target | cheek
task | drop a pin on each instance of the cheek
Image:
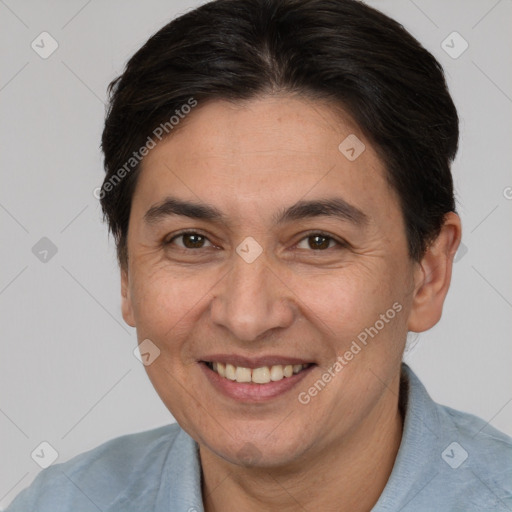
(160, 300)
(170, 306)
(362, 316)
(166, 306)
(349, 298)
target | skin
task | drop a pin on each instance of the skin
(249, 160)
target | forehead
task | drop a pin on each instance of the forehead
(250, 157)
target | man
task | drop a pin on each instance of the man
(278, 184)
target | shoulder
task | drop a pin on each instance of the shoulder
(94, 479)
(488, 443)
(477, 460)
(490, 448)
(469, 461)
(473, 459)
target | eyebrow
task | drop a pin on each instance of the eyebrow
(332, 207)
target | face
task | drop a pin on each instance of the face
(259, 251)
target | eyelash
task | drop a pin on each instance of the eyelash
(341, 243)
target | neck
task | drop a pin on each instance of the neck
(348, 475)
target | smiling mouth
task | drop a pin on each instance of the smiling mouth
(262, 375)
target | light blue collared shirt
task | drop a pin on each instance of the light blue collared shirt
(448, 461)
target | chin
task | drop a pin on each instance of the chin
(258, 451)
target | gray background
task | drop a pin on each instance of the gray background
(67, 372)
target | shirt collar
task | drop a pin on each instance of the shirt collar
(414, 466)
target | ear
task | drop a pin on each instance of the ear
(433, 276)
(126, 301)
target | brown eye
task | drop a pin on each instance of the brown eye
(190, 240)
(317, 242)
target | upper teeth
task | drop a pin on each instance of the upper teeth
(261, 375)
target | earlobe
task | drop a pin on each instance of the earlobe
(433, 276)
(126, 302)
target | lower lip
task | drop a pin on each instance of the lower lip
(250, 392)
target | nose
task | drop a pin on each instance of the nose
(252, 300)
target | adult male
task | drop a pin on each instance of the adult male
(278, 184)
